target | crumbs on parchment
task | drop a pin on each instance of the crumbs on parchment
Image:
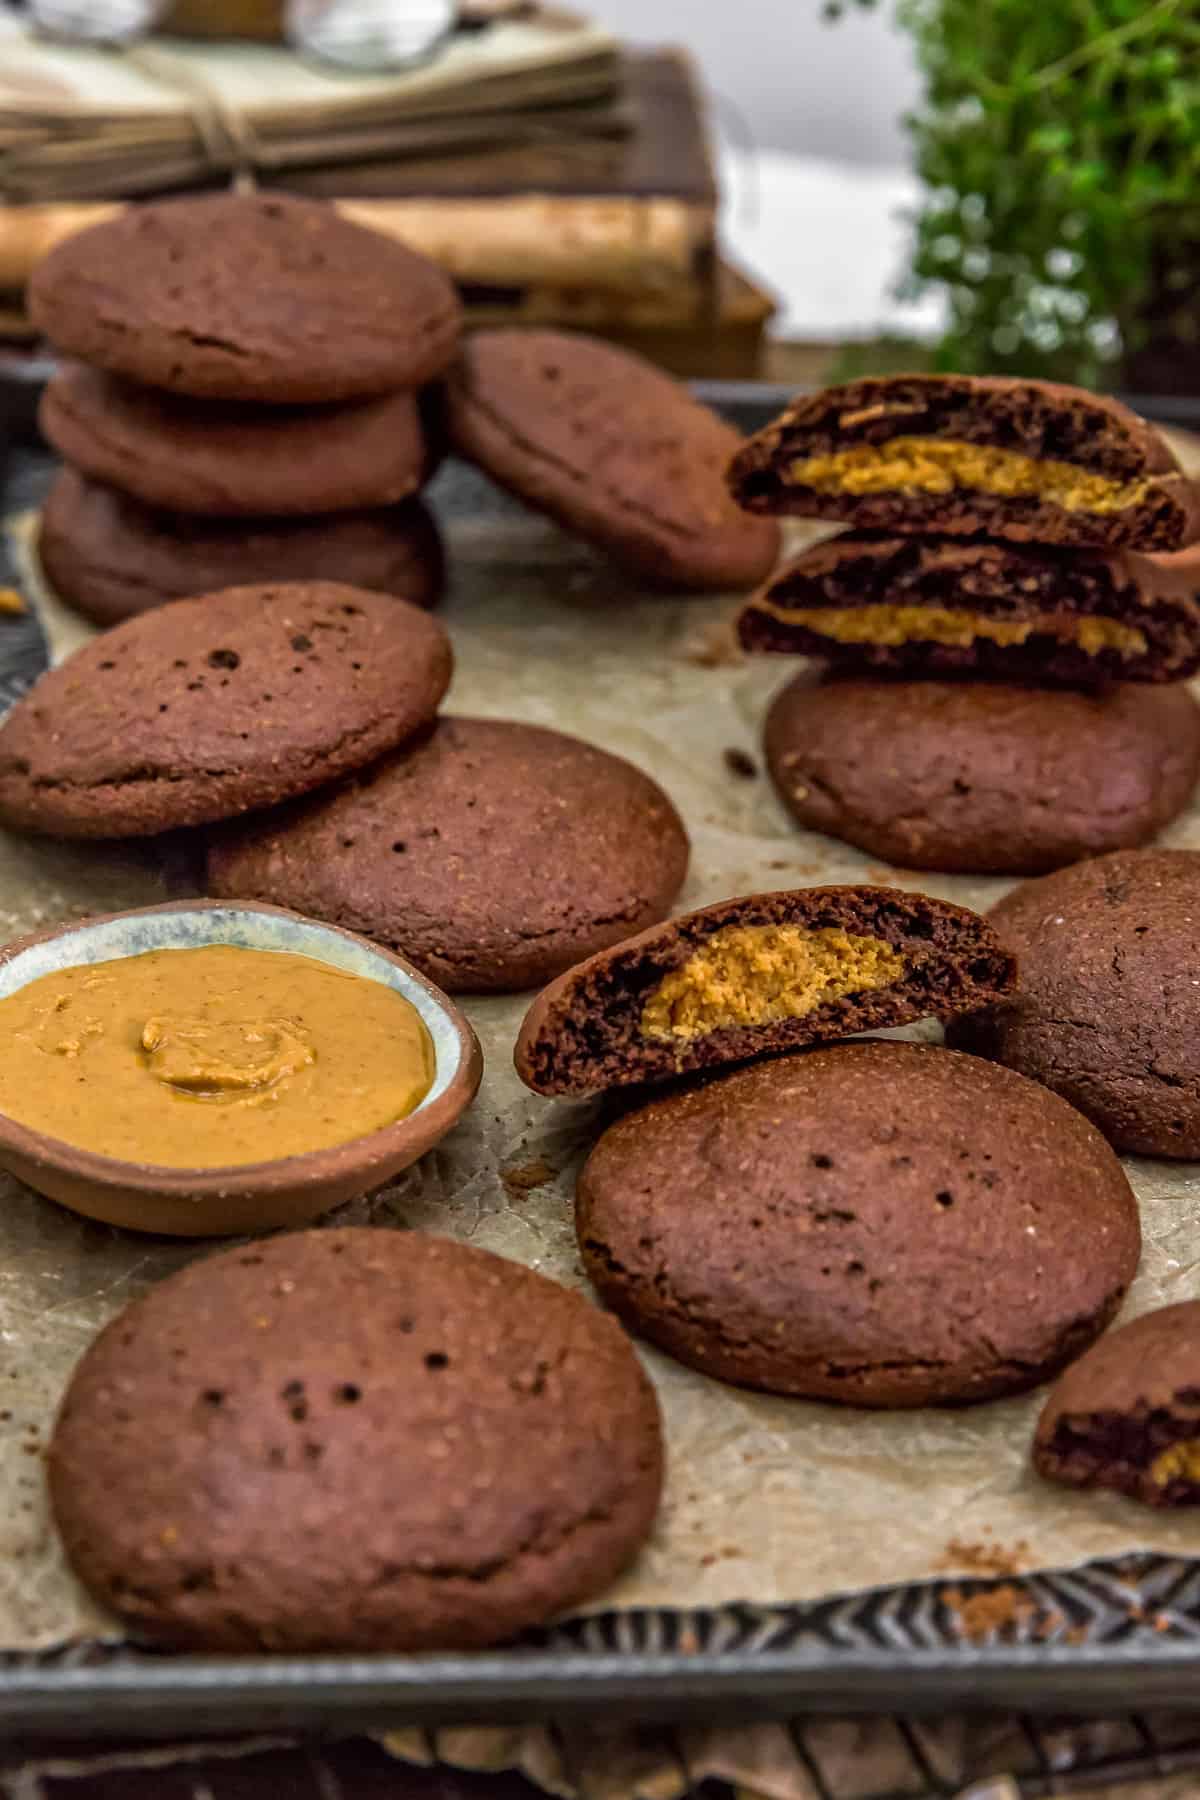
(985, 1559)
(740, 763)
(716, 647)
(523, 1178)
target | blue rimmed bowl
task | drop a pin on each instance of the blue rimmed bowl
(265, 1196)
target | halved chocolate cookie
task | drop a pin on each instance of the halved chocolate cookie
(911, 605)
(969, 456)
(1127, 1415)
(751, 976)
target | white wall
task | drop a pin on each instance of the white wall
(798, 83)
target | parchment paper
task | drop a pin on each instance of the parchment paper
(768, 1500)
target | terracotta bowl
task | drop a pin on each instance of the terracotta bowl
(290, 1190)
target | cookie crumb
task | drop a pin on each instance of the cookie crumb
(985, 1559)
(739, 763)
(11, 601)
(523, 1178)
(716, 647)
(994, 1611)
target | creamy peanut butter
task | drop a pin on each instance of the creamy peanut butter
(891, 625)
(1180, 1463)
(211, 1057)
(927, 465)
(758, 974)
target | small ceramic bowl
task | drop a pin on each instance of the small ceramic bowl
(290, 1190)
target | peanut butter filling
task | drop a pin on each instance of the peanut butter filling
(1180, 1463)
(758, 974)
(926, 465)
(885, 624)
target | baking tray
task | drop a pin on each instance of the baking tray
(1103, 1637)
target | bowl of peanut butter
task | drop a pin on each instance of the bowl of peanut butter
(203, 1068)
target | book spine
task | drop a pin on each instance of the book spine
(614, 244)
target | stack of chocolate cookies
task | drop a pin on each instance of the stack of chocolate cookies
(1005, 627)
(245, 404)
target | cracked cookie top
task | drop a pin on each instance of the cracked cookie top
(492, 854)
(247, 297)
(213, 706)
(884, 1224)
(354, 1440)
(1108, 1009)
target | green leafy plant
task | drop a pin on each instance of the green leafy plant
(1059, 146)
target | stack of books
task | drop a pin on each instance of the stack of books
(559, 178)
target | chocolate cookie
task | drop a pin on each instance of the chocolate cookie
(886, 1224)
(979, 777)
(1108, 1009)
(765, 973)
(247, 297)
(206, 456)
(1127, 1415)
(969, 455)
(209, 707)
(612, 448)
(493, 854)
(940, 606)
(110, 557)
(354, 1440)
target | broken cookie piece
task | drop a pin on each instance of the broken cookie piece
(969, 456)
(756, 975)
(883, 1224)
(1127, 1415)
(940, 606)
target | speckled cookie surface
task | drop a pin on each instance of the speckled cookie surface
(983, 777)
(354, 1440)
(210, 457)
(209, 707)
(1108, 1008)
(886, 1224)
(110, 557)
(247, 297)
(755, 976)
(613, 449)
(970, 456)
(493, 854)
(1127, 1414)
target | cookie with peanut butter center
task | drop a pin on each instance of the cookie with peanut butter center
(493, 854)
(614, 450)
(971, 456)
(205, 708)
(110, 557)
(1126, 1416)
(755, 976)
(984, 778)
(882, 1224)
(259, 297)
(1108, 1009)
(490, 1434)
(215, 458)
(941, 606)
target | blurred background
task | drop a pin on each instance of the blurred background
(783, 189)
